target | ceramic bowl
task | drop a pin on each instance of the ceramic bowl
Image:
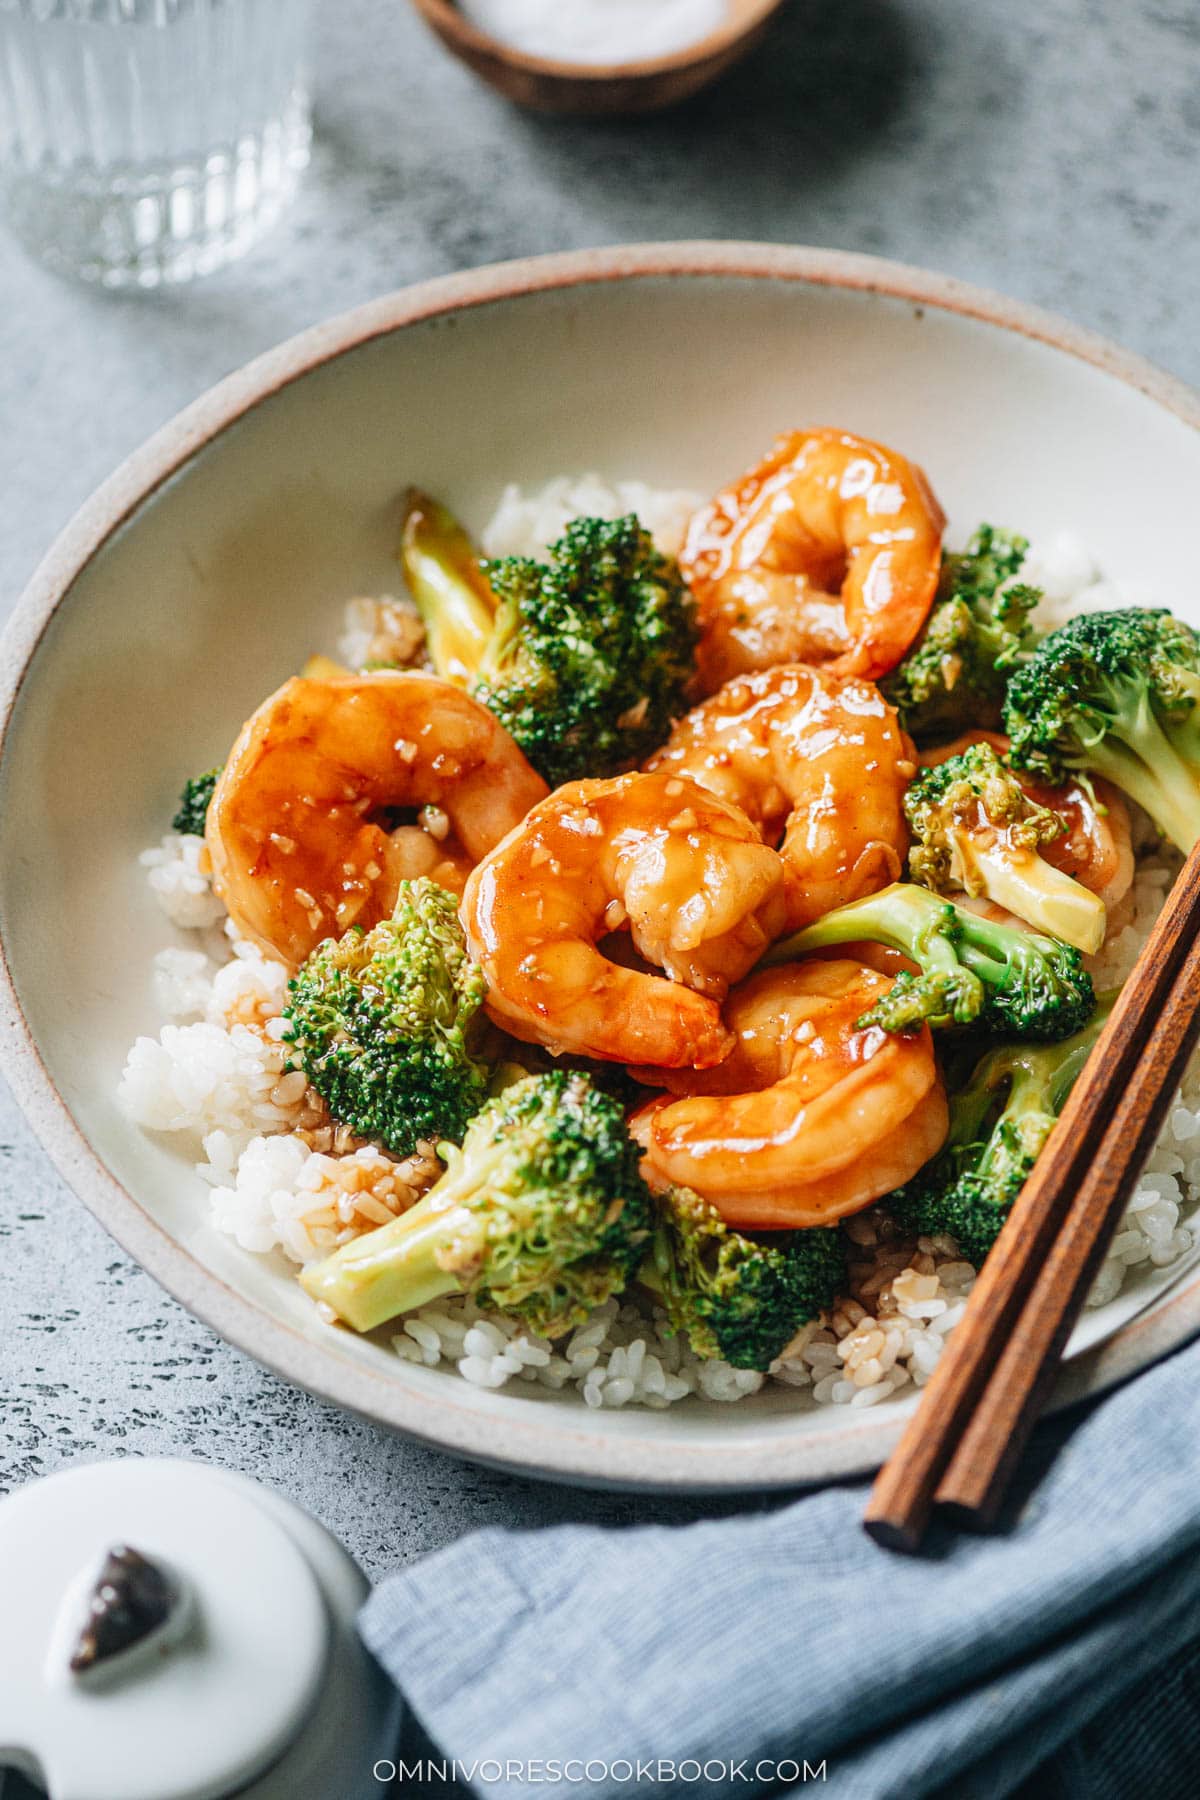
(593, 90)
(218, 558)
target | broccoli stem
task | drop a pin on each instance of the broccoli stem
(442, 568)
(943, 938)
(391, 1270)
(431, 1250)
(905, 917)
(927, 930)
(541, 1215)
(1019, 984)
(1151, 771)
(999, 1123)
(1039, 1077)
(1022, 881)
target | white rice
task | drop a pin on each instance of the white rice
(282, 1194)
(1071, 582)
(888, 1332)
(248, 989)
(382, 630)
(179, 880)
(622, 1356)
(284, 1181)
(527, 524)
(226, 1071)
(203, 1077)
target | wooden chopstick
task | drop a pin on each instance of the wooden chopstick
(903, 1496)
(977, 1476)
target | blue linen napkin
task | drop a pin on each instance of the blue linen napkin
(786, 1637)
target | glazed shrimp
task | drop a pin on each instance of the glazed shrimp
(828, 552)
(689, 876)
(296, 854)
(819, 763)
(1096, 849)
(809, 1116)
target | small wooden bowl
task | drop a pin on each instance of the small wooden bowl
(601, 89)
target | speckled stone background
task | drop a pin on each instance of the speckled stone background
(1050, 151)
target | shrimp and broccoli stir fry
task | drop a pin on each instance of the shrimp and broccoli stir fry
(681, 911)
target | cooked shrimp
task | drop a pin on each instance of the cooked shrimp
(1097, 847)
(814, 759)
(879, 1170)
(296, 854)
(686, 872)
(809, 1116)
(828, 552)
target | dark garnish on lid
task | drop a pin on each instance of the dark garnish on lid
(132, 1597)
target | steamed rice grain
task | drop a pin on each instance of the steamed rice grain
(527, 524)
(179, 877)
(381, 632)
(286, 1196)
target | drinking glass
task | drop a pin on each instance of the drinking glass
(144, 141)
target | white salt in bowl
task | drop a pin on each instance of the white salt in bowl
(549, 84)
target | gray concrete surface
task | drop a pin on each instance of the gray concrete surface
(1048, 151)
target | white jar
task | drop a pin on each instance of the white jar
(256, 1684)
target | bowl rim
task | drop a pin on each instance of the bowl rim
(447, 17)
(554, 1446)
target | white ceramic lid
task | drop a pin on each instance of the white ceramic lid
(206, 1709)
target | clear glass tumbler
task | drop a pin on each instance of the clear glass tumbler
(144, 141)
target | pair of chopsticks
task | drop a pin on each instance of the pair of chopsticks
(964, 1440)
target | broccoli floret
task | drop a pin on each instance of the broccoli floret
(589, 657)
(446, 579)
(386, 1024)
(732, 1295)
(998, 1124)
(542, 1215)
(1116, 694)
(1015, 983)
(977, 633)
(593, 653)
(977, 831)
(194, 803)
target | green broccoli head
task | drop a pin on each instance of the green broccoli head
(386, 1024)
(978, 631)
(593, 653)
(971, 1208)
(975, 830)
(739, 1297)
(194, 803)
(1116, 694)
(999, 1120)
(937, 997)
(541, 1215)
(586, 660)
(1014, 983)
